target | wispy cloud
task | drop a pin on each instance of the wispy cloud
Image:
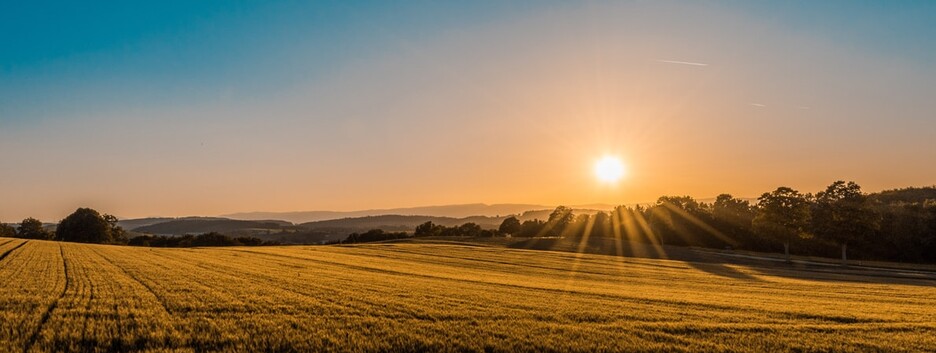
(757, 105)
(682, 62)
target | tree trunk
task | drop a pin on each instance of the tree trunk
(786, 252)
(844, 258)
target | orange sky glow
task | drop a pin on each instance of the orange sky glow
(515, 110)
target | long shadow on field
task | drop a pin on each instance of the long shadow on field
(699, 261)
(722, 270)
(714, 263)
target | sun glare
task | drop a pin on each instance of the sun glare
(609, 169)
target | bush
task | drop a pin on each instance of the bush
(31, 228)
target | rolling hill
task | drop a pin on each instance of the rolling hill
(906, 195)
(220, 225)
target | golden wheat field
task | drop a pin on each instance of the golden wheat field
(433, 297)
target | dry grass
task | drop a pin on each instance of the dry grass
(438, 297)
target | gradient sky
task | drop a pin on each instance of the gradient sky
(210, 107)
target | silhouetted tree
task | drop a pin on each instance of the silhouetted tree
(31, 228)
(214, 239)
(559, 220)
(427, 229)
(908, 232)
(469, 230)
(631, 224)
(734, 217)
(488, 233)
(578, 227)
(782, 215)
(682, 220)
(86, 225)
(142, 240)
(117, 233)
(531, 228)
(206, 239)
(843, 214)
(7, 230)
(510, 225)
(374, 235)
(734, 211)
(600, 225)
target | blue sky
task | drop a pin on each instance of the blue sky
(177, 108)
(68, 54)
(61, 54)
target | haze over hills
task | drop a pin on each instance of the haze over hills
(291, 227)
(454, 211)
(451, 211)
(327, 229)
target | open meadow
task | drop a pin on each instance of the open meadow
(438, 297)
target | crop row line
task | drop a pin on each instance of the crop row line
(51, 307)
(148, 288)
(7, 253)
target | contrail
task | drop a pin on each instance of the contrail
(682, 62)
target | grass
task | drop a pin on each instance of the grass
(439, 297)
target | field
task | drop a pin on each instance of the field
(439, 297)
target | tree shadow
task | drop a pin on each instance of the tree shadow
(720, 269)
(713, 262)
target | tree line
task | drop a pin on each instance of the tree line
(86, 225)
(427, 229)
(895, 226)
(189, 240)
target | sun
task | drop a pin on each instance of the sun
(609, 169)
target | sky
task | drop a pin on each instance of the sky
(176, 108)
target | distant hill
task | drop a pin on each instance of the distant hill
(908, 195)
(338, 229)
(220, 225)
(311, 232)
(398, 222)
(131, 224)
(454, 211)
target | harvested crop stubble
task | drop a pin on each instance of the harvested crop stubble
(417, 297)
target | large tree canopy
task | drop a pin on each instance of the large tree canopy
(842, 213)
(783, 214)
(510, 225)
(86, 225)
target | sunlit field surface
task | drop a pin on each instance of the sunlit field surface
(437, 297)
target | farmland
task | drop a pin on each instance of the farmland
(439, 297)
